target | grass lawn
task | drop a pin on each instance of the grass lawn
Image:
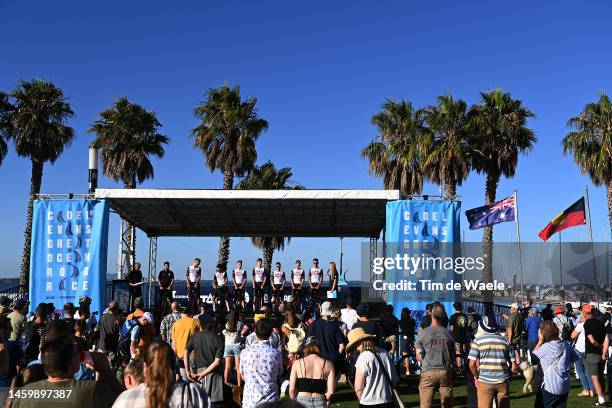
(345, 397)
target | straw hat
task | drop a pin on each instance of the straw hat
(355, 336)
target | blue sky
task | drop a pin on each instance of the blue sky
(319, 70)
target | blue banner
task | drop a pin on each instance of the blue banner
(422, 231)
(69, 248)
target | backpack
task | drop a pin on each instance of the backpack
(123, 354)
(296, 339)
(566, 331)
(29, 341)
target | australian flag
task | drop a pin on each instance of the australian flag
(487, 215)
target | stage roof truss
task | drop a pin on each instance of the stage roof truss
(245, 213)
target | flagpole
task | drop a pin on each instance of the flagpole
(586, 191)
(518, 238)
(561, 290)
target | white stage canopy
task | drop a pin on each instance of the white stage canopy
(245, 213)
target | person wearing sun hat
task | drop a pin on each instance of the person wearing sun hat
(372, 369)
(492, 378)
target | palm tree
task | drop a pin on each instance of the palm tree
(396, 155)
(591, 144)
(498, 135)
(226, 134)
(34, 118)
(5, 123)
(127, 135)
(268, 177)
(446, 158)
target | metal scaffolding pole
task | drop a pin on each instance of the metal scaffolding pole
(373, 254)
(126, 249)
(152, 267)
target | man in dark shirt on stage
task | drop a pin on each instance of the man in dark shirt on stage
(135, 280)
(165, 280)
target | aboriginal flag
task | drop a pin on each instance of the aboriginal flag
(574, 215)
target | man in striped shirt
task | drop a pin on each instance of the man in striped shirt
(491, 363)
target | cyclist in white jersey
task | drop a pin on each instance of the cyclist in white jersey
(297, 282)
(193, 277)
(239, 276)
(259, 282)
(278, 285)
(315, 279)
(220, 287)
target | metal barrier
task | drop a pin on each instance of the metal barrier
(11, 293)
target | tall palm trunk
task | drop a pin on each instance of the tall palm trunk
(130, 235)
(487, 238)
(450, 191)
(268, 254)
(224, 242)
(35, 183)
(609, 196)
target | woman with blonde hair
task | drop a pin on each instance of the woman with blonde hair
(313, 379)
(160, 388)
(375, 376)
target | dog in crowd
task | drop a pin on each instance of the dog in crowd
(529, 374)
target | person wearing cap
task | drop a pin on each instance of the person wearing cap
(17, 318)
(373, 370)
(143, 333)
(588, 389)
(182, 331)
(435, 349)
(327, 332)
(514, 331)
(491, 362)
(564, 325)
(312, 381)
(596, 351)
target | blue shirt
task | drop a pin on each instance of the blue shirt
(555, 359)
(532, 325)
